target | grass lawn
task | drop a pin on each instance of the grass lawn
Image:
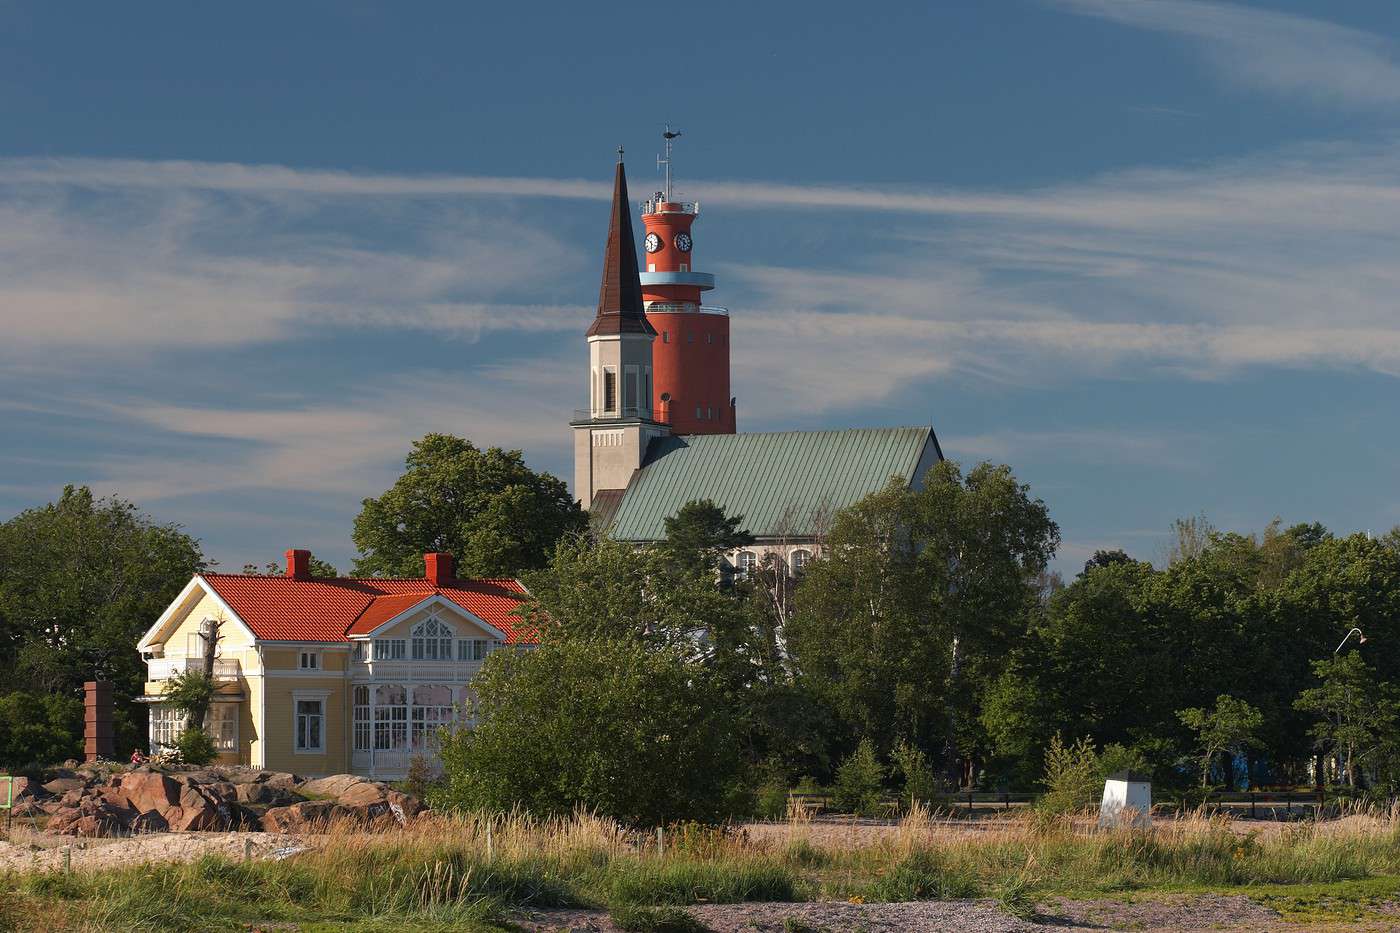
(472, 872)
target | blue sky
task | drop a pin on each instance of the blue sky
(1145, 251)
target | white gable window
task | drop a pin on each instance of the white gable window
(432, 640)
(310, 661)
(747, 563)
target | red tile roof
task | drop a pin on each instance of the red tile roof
(285, 609)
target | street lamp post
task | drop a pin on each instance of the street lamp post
(1359, 641)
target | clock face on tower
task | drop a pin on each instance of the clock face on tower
(653, 242)
(683, 242)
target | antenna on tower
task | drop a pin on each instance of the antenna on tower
(669, 135)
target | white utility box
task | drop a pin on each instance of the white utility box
(1127, 800)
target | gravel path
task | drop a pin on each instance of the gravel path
(40, 852)
(1205, 912)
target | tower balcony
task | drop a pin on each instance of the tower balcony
(684, 307)
(586, 416)
(702, 280)
(657, 204)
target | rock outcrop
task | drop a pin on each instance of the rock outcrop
(144, 799)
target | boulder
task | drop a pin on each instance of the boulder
(146, 790)
(95, 817)
(25, 788)
(73, 797)
(333, 786)
(371, 800)
(222, 790)
(62, 785)
(266, 795)
(29, 807)
(281, 779)
(307, 816)
(152, 821)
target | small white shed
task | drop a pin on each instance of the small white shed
(1127, 800)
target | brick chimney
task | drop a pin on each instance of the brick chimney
(98, 737)
(299, 564)
(439, 568)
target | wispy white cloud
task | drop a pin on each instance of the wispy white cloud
(351, 447)
(1287, 258)
(1267, 50)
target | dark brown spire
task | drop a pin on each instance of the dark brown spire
(620, 299)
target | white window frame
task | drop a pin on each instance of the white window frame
(309, 696)
(472, 649)
(390, 649)
(800, 559)
(362, 738)
(309, 661)
(745, 563)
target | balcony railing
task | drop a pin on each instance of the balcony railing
(659, 205)
(683, 307)
(225, 669)
(619, 414)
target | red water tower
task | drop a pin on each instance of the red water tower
(690, 356)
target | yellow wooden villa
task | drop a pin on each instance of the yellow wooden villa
(325, 676)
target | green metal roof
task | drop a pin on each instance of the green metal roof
(772, 480)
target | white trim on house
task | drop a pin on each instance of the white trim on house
(177, 606)
(436, 599)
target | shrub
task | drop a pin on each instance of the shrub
(196, 747)
(920, 781)
(624, 730)
(859, 781)
(1072, 776)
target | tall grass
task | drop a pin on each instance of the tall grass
(470, 870)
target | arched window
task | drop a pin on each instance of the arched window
(432, 640)
(800, 559)
(747, 563)
(432, 709)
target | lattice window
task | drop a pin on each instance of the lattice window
(432, 640)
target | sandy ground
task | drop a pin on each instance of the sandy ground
(29, 851)
(1204, 912)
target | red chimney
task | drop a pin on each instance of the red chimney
(299, 564)
(439, 568)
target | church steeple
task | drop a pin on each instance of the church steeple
(611, 436)
(620, 297)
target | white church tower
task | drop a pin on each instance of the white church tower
(611, 437)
